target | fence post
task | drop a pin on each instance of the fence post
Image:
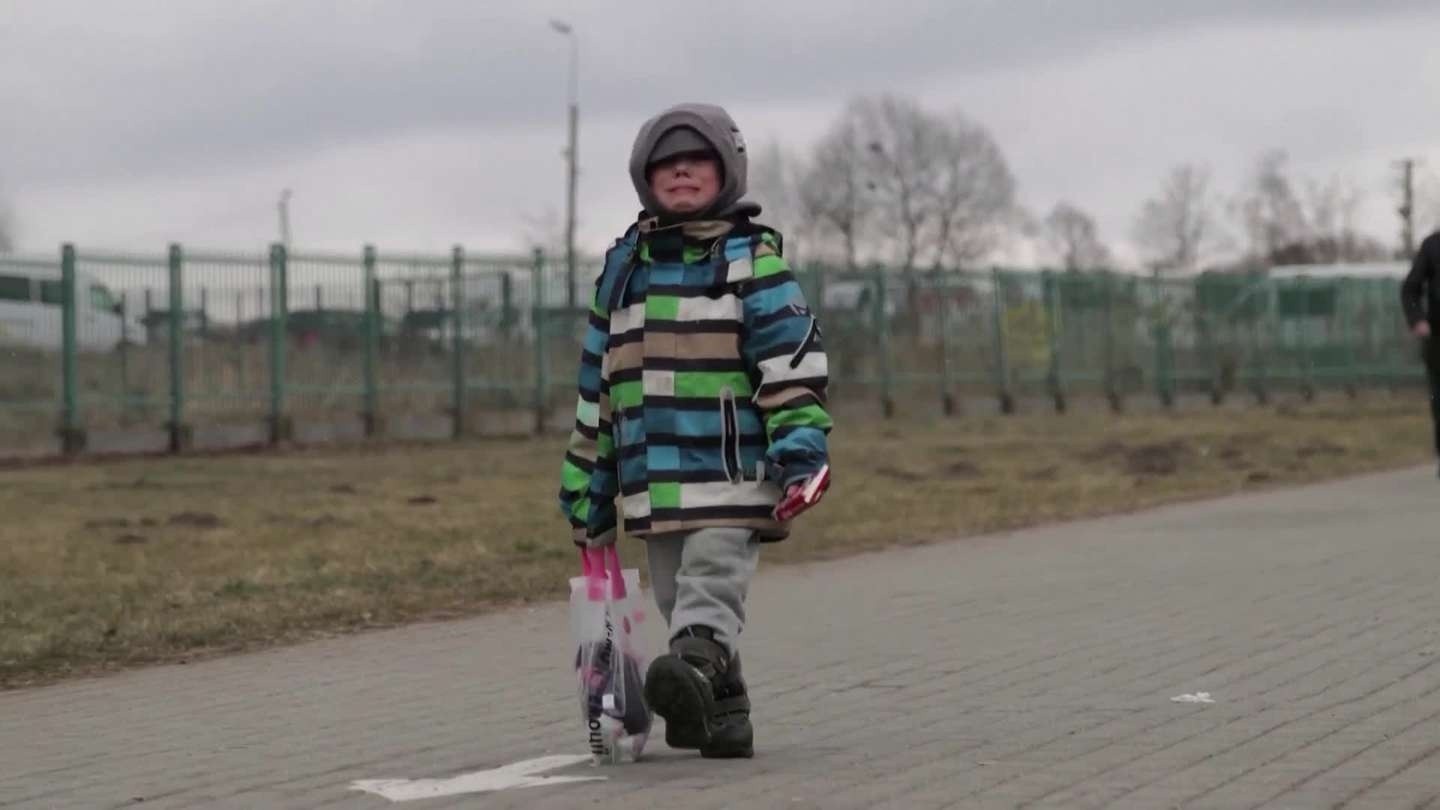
(1374, 373)
(279, 284)
(1112, 391)
(1252, 313)
(1383, 370)
(124, 352)
(1002, 355)
(538, 321)
(207, 370)
(72, 435)
(1206, 331)
(942, 319)
(1307, 373)
(370, 342)
(179, 439)
(1272, 318)
(1050, 295)
(1161, 335)
(507, 305)
(882, 336)
(238, 341)
(1342, 306)
(457, 342)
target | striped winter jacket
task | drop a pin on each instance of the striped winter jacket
(702, 385)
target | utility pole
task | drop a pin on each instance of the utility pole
(1407, 208)
(285, 219)
(572, 157)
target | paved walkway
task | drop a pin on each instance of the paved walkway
(1029, 669)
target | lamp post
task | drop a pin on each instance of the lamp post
(566, 30)
(285, 218)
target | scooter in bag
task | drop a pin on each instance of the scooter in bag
(606, 623)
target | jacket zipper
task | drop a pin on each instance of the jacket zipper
(730, 436)
(805, 345)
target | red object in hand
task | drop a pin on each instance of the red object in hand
(803, 496)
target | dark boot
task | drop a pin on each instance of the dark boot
(731, 735)
(697, 688)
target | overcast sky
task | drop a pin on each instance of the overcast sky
(419, 124)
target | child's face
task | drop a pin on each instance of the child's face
(685, 184)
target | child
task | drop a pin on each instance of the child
(702, 404)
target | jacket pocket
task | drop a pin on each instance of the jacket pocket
(730, 436)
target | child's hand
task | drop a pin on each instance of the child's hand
(802, 496)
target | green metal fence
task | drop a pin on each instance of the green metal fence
(204, 348)
(1058, 335)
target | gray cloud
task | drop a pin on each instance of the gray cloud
(95, 92)
(431, 122)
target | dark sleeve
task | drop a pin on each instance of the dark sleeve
(1417, 282)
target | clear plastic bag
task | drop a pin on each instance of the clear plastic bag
(606, 624)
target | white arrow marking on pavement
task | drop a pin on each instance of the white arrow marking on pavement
(518, 775)
(1198, 697)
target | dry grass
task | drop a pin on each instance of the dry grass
(105, 565)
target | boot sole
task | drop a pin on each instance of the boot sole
(717, 752)
(681, 694)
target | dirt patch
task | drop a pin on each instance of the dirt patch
(897, 474)
(1320, 447)
(1106, 451)
(327, 521)
(139, 484)
(344, 489)
(948, 451)
(1160, 458)
(962, 469)
(195, 520)
(1230, 453)
(130, 539)
(1259, 477)
(108, 523)
(1051, 473)
(422, 500)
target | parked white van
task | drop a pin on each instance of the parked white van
(30, 311)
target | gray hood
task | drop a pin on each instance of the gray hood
(714, 125)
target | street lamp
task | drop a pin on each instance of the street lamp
(565, 29)
(285, 218)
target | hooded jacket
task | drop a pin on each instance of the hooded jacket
(703, 373)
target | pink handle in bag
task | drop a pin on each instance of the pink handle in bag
(599, 564)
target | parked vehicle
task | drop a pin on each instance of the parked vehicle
(31, 313)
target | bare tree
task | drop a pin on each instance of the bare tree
(774, 184)
(1178, 227)
(912, 182)
(975, 194)
(1269, 210)
(1073, 234)
(903, 152)
(1332, 210)
(833, 192)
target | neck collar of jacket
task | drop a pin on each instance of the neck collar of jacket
(692, 229)
(686, 241)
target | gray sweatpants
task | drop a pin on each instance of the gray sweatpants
(702, 578)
